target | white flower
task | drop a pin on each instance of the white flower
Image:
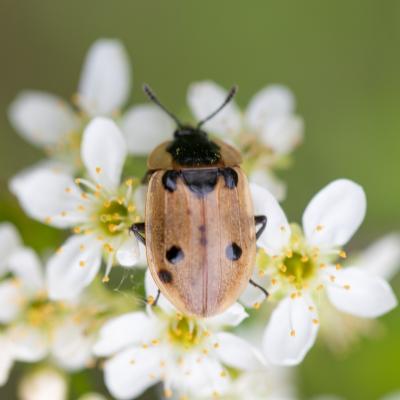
(33, 327)
(44, 384)
(300, 266)
(187, 354)
(99, 210)
(265, 133)
(48, 384)
(341, 330)
(49, 122)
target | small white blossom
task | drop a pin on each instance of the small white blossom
(100, 210)
(32, 326)
(188, 355)
(299, 266)
(266, 133)
(49, 122)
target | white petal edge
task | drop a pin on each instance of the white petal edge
(103, 152)
(26, 265)
(290, 332)
(6, 359)
(277, 232)
(105, 80)
(232, 317)
(123, 331)
(128, 254)
(42, 193)
(204, 98)
(334, 214)
(42, 118)
(271, 101)
(129, 373)
(10, 240)
(366, 295)
(237, 353)
(382, 258)
(145, 126)
(71, 269)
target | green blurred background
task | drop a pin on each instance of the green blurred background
(341, 59)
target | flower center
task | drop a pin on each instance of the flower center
(297, 268)
(186, 332)
(113, 217)
(41, 311)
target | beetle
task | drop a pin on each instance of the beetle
(199, 229)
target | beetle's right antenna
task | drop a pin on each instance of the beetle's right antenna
(154, 99)
(229, 97)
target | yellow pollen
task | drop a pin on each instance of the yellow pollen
(274, 281)
(183, 398)
(320, 286)
(47, 220)
(223, 374)
(150, 300)
(77, 229)
(99, 187)
(68, 190)
(342, 254)
(132, 361)
(205, 351)
(304, 259)
(282, 228)
(155, 342)
(98, 170)
(293, 296)
(64, 213)
(216, 345)
(168, 393)
(283, 267)
(256, 305)
(311, 308)
(82, 263)
(338, 266)
(289, 254)
(84, 196)
(347, 287)
(332, 278)
(112, 228)
(315, 321)
(322, 266)
(179, 316)
(81, 208)
(215, 394)
(292, 333)
(129, 182)
(291, 278)
(319, 228)
(105, 279)
(77, 181)
(131, 208)
(82, 247)
(59, 250)
(120, 200)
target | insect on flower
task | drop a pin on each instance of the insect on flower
(199, 230)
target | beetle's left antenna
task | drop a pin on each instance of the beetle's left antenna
(154, 99)
(229, 97)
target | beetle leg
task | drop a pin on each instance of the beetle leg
(260, 219)
(138, 231)
(259, 287)
(153, 301)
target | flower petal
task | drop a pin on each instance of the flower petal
(237, 353)
(11, 300)
(267, 180)
(71, 344)
(74, 267)
(125, 330)
(282, 133)
(360, 293)
(42, 118)
(269, 102)
(334, 214)
(28, 343)
(145, 126)
(204, 98)
(232, 317)
(105, 81)
(277, 232)
(103, 152)
(382, 257)
(128, 253)
(43, 384)
(9, 242)
(25, 264)
(290, 332)
(131, 372)
(6, 359)
(42, 193)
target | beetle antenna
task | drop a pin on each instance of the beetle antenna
(151, 95)
(229, 97)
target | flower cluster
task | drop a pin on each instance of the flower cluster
(59, 310)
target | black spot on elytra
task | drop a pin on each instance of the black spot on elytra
(230, 177)
(165, 276)
(233, 251)
(169, 180)
(200, 181)
(203, 237)
(174, 254)
(202, 228)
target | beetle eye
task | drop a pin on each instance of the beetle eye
(233, 251)
(174, 254)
